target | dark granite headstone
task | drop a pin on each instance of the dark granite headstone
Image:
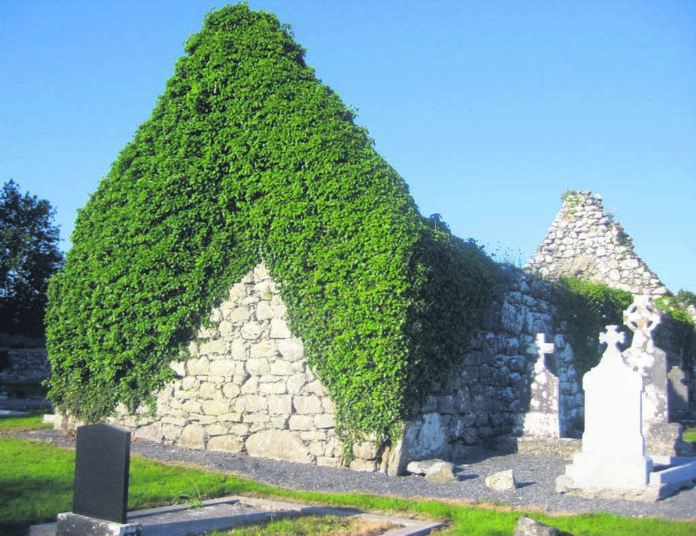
(101, 472)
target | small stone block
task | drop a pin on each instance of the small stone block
(526, 526)
(70, 524)
(102, 461)
(502, 481)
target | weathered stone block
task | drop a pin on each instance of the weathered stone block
(251, 403)
(231, 390)
(214, 347)
(264, 310)
(238, 350)
(297, 383)
(273, 388)
(231, 417)
(216, 407)
(251, 385)
(258, 367)
(264, 349)
(307, 405)
(279, 422)
(189, 383)
(251, 331)
(314, 388)
(301, 422)
(367, 450)
(223, 367)
(257, 419)
(279, 329)
(291, 349)
(198, 367)
(502, 481)
(238, 314)
(441, 473)
(324, 421)
(193, 436)
(208, 390)
(281, 367)
(280, 404)
(227, 329)
(179, 368)
(226, 443)
(279, 445)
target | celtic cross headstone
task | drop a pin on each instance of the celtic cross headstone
(542, 420)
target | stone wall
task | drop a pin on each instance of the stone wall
(584, 241)
(26, 365)
(247, 388)
(487, 395)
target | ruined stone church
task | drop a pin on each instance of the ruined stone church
(248, 388)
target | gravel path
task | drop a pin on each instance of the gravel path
(536, 473)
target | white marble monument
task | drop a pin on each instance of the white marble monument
(613, 448)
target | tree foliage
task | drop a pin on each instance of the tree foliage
(29, 256)
(248, 157)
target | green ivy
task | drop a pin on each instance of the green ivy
(682, 329)
(585, 308)
(248, 157)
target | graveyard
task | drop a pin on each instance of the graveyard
(253, 286)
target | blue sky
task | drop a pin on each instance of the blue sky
(489, 110)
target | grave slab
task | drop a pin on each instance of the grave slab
(230, 512)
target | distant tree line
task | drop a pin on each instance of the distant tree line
(29, 256)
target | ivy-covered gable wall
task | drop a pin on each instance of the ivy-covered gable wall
(248, 157)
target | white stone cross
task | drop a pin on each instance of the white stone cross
(642, 316)
(542, 349)
(612, 337)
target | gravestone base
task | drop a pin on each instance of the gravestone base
(676, 474)
(70, 524)
(621, 472)
(665, 439)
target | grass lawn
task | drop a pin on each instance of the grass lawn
(690, 435)
(36, 484)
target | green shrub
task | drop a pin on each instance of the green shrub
(248, 157)
(586, 308)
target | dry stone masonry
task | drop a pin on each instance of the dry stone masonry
(488, 394)
(24, 365)
(246, 387)
(584, 241)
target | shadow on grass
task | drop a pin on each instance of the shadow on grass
(25, 501)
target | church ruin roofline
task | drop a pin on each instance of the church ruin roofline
(587, 242)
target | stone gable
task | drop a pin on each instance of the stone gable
(586, 242)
